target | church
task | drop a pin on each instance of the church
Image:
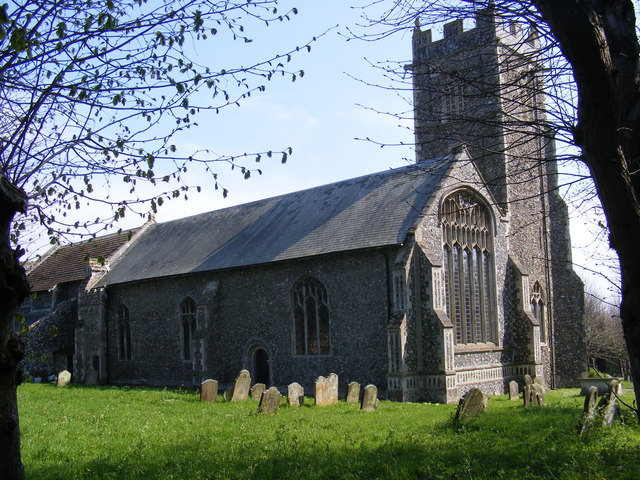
(427, 280)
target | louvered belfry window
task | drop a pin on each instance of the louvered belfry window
(468, 268)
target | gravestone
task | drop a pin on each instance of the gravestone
(589, 410)
(209, 390)
(64, 379)
(473, 404)
(295, 394)
(528, 390)
(353, 392)
(537, 395)
(327, 390)
(514, 390)
(369, 399)
(241, 387)
(609, 405)
(257, 390)
(270, 401)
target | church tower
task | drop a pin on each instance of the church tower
(482, 87)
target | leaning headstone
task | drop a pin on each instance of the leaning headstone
(257, 390)
(295, 394)
(64, 379)
(209, 390)
(473, 404)
(241, 387)
(369, 399)
(514, 390)
(353, 392)
(527, 380)
(609, 405)
(270, 401)
(327, 390)
(589, 410)
(537, 395)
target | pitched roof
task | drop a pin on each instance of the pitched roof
(68, 263)
(370, 211)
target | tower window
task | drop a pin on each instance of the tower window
(454, 103)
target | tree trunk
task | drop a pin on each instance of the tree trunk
(13, 289)
(598, 39)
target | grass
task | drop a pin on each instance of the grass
(121, 433)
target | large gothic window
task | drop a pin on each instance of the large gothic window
(537, 308)
(123, 331)
(468, 268)
(188, 326)
(311, 317)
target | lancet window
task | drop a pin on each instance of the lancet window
(123, 331)
(188, 326)
(468, 265)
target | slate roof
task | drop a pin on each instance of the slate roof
(67, 263)
(365, 212)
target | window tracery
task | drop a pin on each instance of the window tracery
(311, 317)
(538, 309)
(468, 268)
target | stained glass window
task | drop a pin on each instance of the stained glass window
(468, 266)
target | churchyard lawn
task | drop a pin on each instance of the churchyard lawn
(135, 433)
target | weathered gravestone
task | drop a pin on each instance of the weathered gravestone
(209, 390)
(589, 410)
(609, 405)
(240, 390)
(295, 394)
(514, 390)
(257, 390)
(353, 392)
(537, 394)
(241, 387)
(534, 390)
(369, 399)
(270, 401)
(473, 404)
(64, 379)
(327, 390)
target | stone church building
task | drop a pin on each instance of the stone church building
(426, 280)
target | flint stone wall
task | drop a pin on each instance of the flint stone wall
(252, 307)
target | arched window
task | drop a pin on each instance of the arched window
(188, 326)
(537, 308)
(123, 330)
(311, 317)
(468, 268)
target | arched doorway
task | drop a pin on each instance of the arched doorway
(261, 366)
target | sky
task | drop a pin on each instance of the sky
(322, 116)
